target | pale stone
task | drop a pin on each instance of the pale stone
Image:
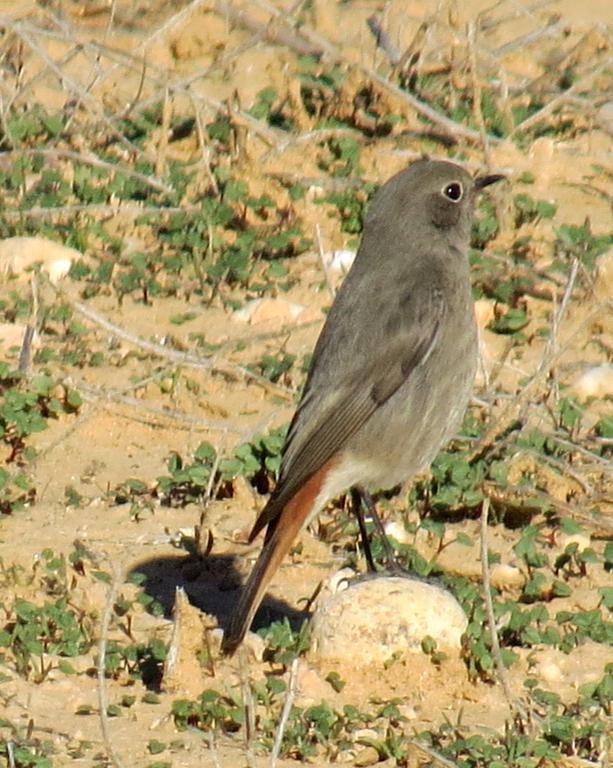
(549, 672)
(582, 540)
(366, 756)
(259, 311)
(380, 615)
(604, 117)
(396, 530)
(505, 576)
(484, 312)
(339, 261)
(568, 672)
(18, 254)
(596, 382)
(603, 285)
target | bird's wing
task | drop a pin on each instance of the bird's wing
(326, 421)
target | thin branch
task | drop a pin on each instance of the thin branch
(552, 342)
(31, 328)
(101, 209)
(549, 359)
(287, 708)
(446, 124)
(383, 40)
(93, 160)
(158, 78)
(168, 26)
(433, 754)
(489, 607)
(97, 394)
(322, 261)
(181, 358)
(476, 88)
(103, 701)
(551, 106)
(248, 704)
(24, 31)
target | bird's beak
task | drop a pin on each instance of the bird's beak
(484, 181)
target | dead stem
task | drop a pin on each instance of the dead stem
(477, 96)
(98, 394)
(32, 327)
(383, 40)
(322, 261)
(552, 353)
(91, 159)
(292, 688)
(491, 619)
(25, 32)
(433, 754)
(181, 358)
(447, 125)
(551, 106)
(102, 209)
(248, 704)
(103, 701)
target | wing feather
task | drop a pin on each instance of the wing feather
(325, 421)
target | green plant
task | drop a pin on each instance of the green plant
(529, 210)
(26, 406)
(22, 753)
(213, 711)
(578, 242)
(259, 461)
(283, 645)
(136, 661)
(274, 367)
(33, 633)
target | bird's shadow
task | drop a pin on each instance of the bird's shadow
(212, 584)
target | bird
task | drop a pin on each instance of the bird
(392, 370)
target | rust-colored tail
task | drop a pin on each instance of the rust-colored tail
(281, 533)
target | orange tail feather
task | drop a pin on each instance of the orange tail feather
(286, 527)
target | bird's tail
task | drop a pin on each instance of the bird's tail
(281, 533)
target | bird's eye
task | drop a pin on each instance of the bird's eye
(453, 191)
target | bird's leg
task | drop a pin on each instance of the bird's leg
(390, 557)
(356, 500)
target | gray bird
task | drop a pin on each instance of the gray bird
(393, 367)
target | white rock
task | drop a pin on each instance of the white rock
(18, 254)
(339, 261)
(505, 576)
(549, 671)
(484, 312)
(604, 117)
(596, 382)
(267, 310)
(339, 581)
(603, 285)
(568, 672)
(396, 530)
(582, 540)
(380, 615)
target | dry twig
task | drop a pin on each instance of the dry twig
(103, 700)
(287, 707)
(181, 358)
(489, 607)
